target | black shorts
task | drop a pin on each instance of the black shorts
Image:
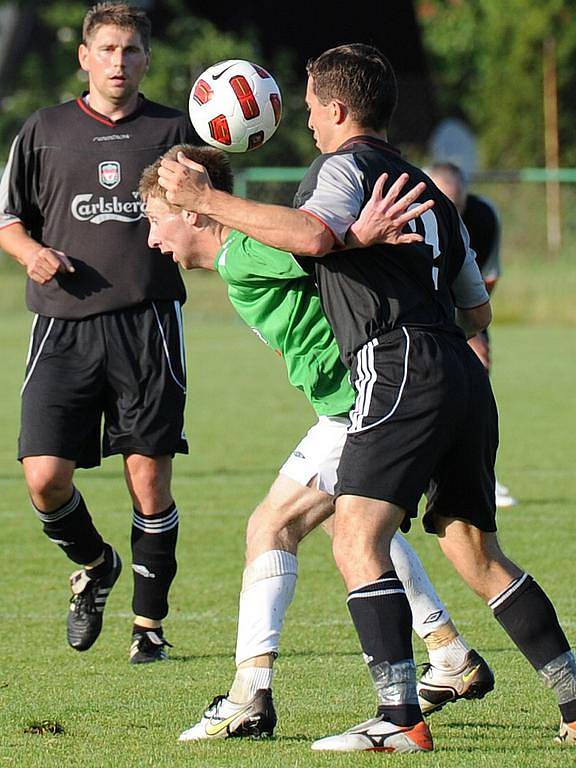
(425, 421)
(127, 366)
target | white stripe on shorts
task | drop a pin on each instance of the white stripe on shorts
(166, 351)
(40, 348)
(365, 384)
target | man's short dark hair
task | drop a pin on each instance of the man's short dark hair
(117, 15)
(214, 160)
(359, 76)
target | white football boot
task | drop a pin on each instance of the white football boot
(437, 687)
(378, 735)
(566, 734)
(225, 719)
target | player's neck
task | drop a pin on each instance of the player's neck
(112, 110)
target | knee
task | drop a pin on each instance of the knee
(47, 482)
(267, 522)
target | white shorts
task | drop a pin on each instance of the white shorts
(318, 454)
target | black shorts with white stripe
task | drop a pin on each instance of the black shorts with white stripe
(126, 366)
(425, 421)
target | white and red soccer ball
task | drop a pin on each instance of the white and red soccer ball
(235, 105)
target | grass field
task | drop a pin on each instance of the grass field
(242, 420)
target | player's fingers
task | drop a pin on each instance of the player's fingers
(183, 160)
(378, 190)
(409, 238)
(48, 260)
(396, 188)
(414, 213)
(168, 165)
(411, 196)
(40, 273)
(65, 263)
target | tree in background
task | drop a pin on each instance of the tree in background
(186, 46)
(486, 60)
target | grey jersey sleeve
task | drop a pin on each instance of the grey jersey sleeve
(7, 218)
(338, 194)
(468, 289)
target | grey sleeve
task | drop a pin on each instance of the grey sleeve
(468, 289)
(7, 218)
(338, 194)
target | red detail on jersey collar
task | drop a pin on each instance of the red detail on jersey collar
(371, 140)
(106, 120)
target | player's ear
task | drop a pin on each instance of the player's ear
(191, 218)
(339, 112)
(83, 56)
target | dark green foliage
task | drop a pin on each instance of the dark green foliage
(486, 61)
(184, 46)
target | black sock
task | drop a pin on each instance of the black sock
(568, 712)
(139, 630)
(529, 619)
(104, 567)
(71, 527)
(153, 561)
(383, 620)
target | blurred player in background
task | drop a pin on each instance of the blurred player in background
(277, 298)
(107, 335)
(483, 225)
(424, 420)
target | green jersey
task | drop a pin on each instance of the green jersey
(278, 300)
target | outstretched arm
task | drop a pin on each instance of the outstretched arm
(382, 220)
(188, 185)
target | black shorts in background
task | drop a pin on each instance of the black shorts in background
(425, 420)
(127, 366)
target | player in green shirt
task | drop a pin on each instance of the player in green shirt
(275, 295)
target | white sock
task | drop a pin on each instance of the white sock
(248, 680)
(268, 586)
(449, 656)
(428, 611)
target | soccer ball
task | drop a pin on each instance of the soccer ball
(235, 105)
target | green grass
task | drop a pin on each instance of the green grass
(242, 420)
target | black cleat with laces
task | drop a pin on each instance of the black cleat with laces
(148, 646)
(89, 597)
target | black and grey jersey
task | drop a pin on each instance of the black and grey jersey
(368, 293)
(72, 181)
(483, 225)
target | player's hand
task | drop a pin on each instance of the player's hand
(44, 263)
(481, 346)
(187, 183)
(383, 218)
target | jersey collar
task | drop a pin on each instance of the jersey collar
(371, 141)
(87, 109)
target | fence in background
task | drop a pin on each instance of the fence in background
(522, 198)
